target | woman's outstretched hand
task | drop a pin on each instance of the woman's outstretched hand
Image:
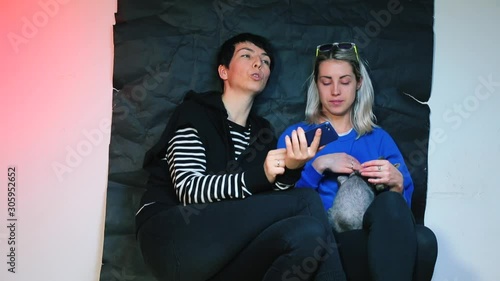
(297, 150)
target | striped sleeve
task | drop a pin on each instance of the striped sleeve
(187, 164)
(282, 186)
(288, 179)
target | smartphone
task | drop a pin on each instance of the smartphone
(328, 134)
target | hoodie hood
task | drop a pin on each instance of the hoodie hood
(211, 99)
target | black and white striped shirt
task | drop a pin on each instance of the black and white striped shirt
(240, 136)
(187, 164)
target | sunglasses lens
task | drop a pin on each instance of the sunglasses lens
(325, 47)
(344, 46)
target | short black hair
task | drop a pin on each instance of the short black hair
(226, 51)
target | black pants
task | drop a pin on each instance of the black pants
(390, 246)
(272, 236)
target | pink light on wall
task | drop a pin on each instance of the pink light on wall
(56, 59)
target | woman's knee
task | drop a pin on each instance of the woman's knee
(305, 236)
(310, 203)
(390, 206)
(302, 228)
(427, 251)
(390, 199)
(308, 241)
(158, 256)
(307, 194)
(426, 243)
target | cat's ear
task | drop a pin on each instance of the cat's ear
(342, 179)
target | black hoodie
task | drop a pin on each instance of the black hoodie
(206, 113)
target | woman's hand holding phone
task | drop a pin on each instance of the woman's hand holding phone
(299, 150)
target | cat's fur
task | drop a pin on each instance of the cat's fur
(353, 198)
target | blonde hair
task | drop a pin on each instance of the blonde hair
(362, 115)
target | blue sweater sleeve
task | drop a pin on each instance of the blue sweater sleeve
(391, 152)
(287, 132)
(309, 177)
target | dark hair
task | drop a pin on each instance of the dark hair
(226, 51)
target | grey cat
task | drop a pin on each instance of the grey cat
(350, 204)
(354, 196)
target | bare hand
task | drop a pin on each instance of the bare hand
(274, 164)
(383, 172)
(341, 163)
(297, 151)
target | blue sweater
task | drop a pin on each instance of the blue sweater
(371, 146)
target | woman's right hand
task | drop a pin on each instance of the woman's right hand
(340, 163)
(294, 156)
(297, 150)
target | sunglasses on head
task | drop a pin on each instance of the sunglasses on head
(325, 48)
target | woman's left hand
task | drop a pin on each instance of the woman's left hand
(383, 172)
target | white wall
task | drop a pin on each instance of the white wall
(57, 100)
(56, 66)
(464, 190)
